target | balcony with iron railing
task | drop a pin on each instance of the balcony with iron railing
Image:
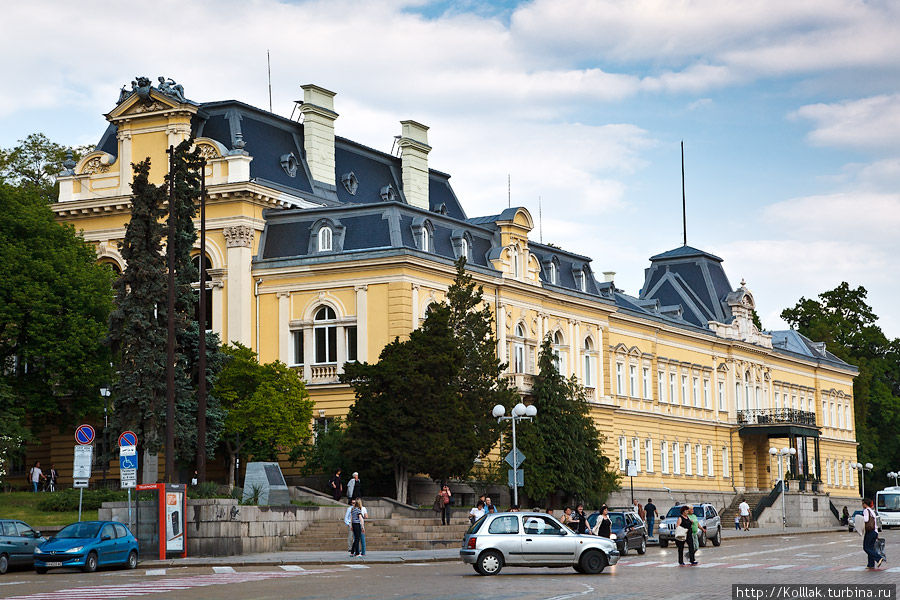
(776, 416)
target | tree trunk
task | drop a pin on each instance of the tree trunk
(232, 450)
(401, 480)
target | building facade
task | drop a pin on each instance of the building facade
(322, 250)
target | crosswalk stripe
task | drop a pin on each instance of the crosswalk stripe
(745, 566)
(708, 565)
(223, 570)
(854, 569)
(780, 567)
(292, 568)
(894, 570)
(155, 572)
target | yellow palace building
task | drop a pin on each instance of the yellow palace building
(322, 250)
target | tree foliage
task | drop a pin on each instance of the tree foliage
(54, 304)
(843, 319)
(268, 409)
(562, 444)
(34, 164)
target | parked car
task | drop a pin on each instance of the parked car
(707, 516)
(529, 539)
(628, 531)
(17, 543)
(88, 545)
(851, 526)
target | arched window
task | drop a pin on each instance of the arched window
(325, 235)
(514, 259)
(559, 352)
(552, 273)
(108, 262)
(589, 368)
(426, 243)
(325, 331)
(208, 298)
(519, 349)
(464, 247)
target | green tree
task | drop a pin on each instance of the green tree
(35, 163)
(843, 319)
(562, 444)
(323, 455)
(54, 304)
(268, 409)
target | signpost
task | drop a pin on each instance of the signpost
(128, 465)
(516, 476)
(631, 469)
(84, 456)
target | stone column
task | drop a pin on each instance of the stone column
(238, 240)
(309, 352)
(284, 327)
(362, 338)
(501, 332)
(124, 162)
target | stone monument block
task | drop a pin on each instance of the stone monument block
(268, 479)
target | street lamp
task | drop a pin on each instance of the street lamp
(781, 454)
(105, 392)
(893, 475)
(519, 412)
(862, 468)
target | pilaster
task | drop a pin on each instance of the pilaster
(239, 239)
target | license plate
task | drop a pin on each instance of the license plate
(53, 564)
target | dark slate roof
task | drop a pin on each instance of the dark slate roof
(692, 278)
(792, 342)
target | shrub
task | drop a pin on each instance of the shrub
(208, 489)
(67, 500)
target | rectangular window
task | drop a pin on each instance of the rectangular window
(622, 453)
(695, 391)
(687, 460)
(699, 460)
(676, 459)
(777, 400)
(664, 456)
(825, 413)
(326, 344)
(588, 371)
(832, 415)
(706, 398)
(673, 395)
(632, 381)
(843, 474)
(847, 421)
(519, 358)
(793, 402)
(737, 396)
(646, 389)
(685, 400)
(636, 453)
(726, 471)
(721, 395)
(710, 468)
(648, 455)
(351, 343)
(828, 471)
(298, 347)
(620, 381)
(661, 384)
(840, 416)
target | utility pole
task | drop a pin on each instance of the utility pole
(201, 318)
(170, 320)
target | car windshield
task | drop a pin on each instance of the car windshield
(79, 531)
(889, 501)
(617, 520)
(698, 510)
(673, 512)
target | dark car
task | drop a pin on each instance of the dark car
(17, 543)
(628, 531)
(88, 545)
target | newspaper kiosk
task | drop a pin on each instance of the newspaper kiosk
(161, 520)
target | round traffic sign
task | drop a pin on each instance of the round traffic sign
(128, 438)
(84, 434)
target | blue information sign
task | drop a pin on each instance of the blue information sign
(84, 434)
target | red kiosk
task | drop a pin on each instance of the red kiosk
(162, 529)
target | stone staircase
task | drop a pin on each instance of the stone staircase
(396, 533)
(728, 515)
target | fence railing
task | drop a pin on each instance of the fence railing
(764, 416)
(768, 501)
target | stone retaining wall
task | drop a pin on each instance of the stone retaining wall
(801, 509)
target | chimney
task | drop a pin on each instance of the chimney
(318, 132)
(609, 276)
(414, 151)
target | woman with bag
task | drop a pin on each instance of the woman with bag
(445, 505)
(603, 527)
(870, 539)
(682, 535)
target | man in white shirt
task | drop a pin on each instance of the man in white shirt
(36, 475)
(744, 510)
(870, 538)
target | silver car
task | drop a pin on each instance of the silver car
(707, 516)
(527, 539)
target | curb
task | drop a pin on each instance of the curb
(237, 562)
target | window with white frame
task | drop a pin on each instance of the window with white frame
(325, 331)
(710, 468)
(620, 379)
(646, 382)
(706, 399)
(579, 281)
(298, 347)
(737, 396)
(676, 458)
(622, 453)
(843, 474)
(589, 368)
(777, 399)
(514, 258)
(748, 394)
(325, 235)
(832, 414)
(721, 395)
(828, 471)
(519, 349)
(632, 381)
(552, 273)
(636, 453)
(661, 385)
(699, 453)
(685, 399)
(793, 402)
(561, 361)
(664, 456)
(648, 454)
(350, 342)
(687, 460)
(726, 471)
(426, 241)
(825, 413)
(673, 394)
(695, 391)
(757, 397)
(464, 247)
(840, 417)
(847, 421)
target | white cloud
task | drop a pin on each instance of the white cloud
(869, 123)
(858, 216)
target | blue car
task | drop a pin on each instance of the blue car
(88, 545)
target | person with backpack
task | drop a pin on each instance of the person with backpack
(35, 475)
(870, 538)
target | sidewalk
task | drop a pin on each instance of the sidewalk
(401, 556)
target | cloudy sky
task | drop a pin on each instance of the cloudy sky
(789, 112)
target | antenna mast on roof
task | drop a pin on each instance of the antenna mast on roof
(269, 66)
(683, 201)
(508, 191)
(540, 222)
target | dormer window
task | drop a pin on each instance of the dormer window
(464, 247)
(552, 273)
(325, 235)
(423, 234)
(580, 281)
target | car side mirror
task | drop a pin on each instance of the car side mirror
(37, 534)
(105, 538)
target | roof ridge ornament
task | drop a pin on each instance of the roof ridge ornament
(142, 85)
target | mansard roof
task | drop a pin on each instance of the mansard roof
(792, 342)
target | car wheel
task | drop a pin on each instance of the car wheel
(90, 563)
(717, 541)
(578, 568)
(663, 543)
(701, 539)
(643, 547)
(132, 560)
(489, 563)
(40, 570)
(4, 564)
(592, 562)
(623, 548)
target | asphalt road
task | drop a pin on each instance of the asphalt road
(820, 558)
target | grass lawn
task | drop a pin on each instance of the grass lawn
(23, 506)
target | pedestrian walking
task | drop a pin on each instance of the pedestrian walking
(357, 521)
(337, 488)
(845, 517)
(870, 538)
(477, 512)
(365, 516)
(744, 510)
(489, 508)
(354, 488)
(347, 516)
(737, 522)
(35, 475)
(445, 505)
(695, 528)
(53, 476)
(580, 519)
(683, 536)
(603, 527)
(652, 513)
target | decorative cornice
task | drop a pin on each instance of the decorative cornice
(238, 236)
